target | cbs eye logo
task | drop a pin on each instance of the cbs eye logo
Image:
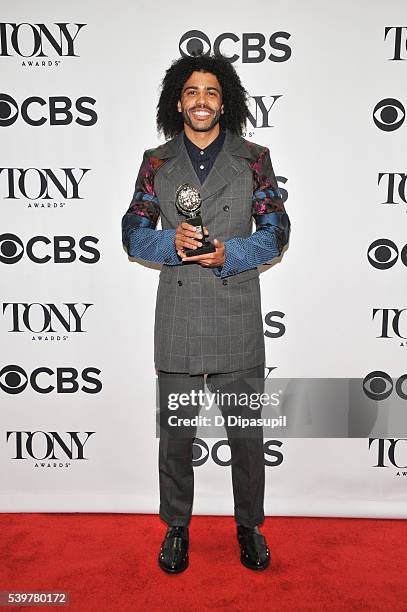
(383, 254)
(379, 386)
(389, 114)
(13, 379)
(201, 453)
(62, 249)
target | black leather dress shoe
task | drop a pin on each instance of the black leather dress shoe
(173, 557)
(254, 552)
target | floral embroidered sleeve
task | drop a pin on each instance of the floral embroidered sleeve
(272, 223)
(139, 235)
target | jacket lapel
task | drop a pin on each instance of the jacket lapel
(178, 169)
(229, 163)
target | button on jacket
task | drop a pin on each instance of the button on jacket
(208, 320)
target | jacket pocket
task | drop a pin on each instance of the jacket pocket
(243, 276)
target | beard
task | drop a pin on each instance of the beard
(198, 128)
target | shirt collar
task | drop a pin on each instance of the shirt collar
(210, 150)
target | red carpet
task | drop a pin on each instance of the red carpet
(108, 563)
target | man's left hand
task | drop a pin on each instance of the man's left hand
(210, 260)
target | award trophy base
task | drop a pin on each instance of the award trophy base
(207, 247)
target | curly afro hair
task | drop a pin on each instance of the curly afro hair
(234, 96)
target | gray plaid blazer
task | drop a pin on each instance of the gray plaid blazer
(203, 323)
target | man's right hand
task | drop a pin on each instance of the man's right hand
(186, 237)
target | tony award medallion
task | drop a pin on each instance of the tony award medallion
(188, 202)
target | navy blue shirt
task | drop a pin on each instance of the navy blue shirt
(203, 159)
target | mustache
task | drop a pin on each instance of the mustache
(210, 110)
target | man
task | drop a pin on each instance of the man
(208, 319)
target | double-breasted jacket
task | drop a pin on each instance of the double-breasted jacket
(208, 320)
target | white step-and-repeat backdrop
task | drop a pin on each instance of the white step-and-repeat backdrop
(78, 95)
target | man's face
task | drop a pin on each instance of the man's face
(201, 101)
